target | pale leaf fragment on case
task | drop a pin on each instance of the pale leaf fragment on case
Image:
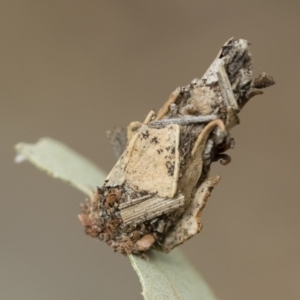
(190, 222)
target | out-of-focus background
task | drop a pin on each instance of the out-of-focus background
(73, 69)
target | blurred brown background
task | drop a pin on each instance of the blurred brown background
(73, 69)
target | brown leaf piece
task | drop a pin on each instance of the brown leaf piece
(190, 222)
(263, 81)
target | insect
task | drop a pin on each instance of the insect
(154, 195)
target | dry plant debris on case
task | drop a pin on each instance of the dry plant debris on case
(154, 195)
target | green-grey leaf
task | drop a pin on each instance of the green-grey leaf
(170, 276)
(60, 161)
(163, 276)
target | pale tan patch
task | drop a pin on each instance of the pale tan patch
(201, 100)
(152, 161)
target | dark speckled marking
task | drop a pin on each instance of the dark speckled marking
(145, 134)
(154, 140)
(170, 167)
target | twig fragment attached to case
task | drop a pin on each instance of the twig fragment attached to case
(154, 195)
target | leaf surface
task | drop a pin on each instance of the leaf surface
(60, 161)
(170, 276)
(163, 276)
